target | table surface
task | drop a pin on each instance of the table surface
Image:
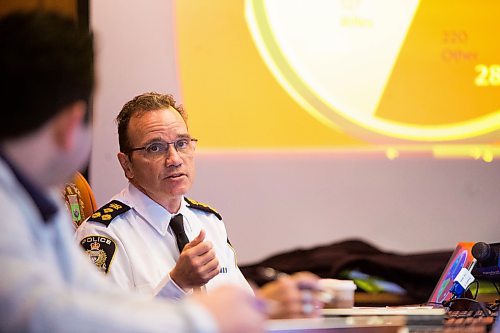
(369, 324)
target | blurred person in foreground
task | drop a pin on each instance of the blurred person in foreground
(47, 284)
(154, 239)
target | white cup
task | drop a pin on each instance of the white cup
(341, 292)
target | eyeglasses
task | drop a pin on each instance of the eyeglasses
(184, 146)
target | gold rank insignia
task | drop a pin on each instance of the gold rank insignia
(201, 206)
(108, 212)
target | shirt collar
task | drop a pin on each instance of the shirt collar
(156, 215)
(45, 206)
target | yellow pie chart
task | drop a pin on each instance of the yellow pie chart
(387, 70)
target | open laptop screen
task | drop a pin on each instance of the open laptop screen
(461, 257)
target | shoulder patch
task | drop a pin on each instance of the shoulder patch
(108, 212)
(200, 206)
(100, 250)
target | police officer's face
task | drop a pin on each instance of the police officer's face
(166, 177)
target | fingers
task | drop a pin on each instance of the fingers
(295, 296)
(306, 280)
(310, 290)
(197, 240)
(207, 269)
(198, 246)
(282, 298)
(188, 274)
(311, 303)
(197, 263)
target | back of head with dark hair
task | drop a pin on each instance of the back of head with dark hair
(46, 64)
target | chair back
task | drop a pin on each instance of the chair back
(79, 199)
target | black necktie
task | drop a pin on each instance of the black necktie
(178, 228)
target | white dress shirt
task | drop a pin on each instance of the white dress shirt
(48, 285)
(146, 249)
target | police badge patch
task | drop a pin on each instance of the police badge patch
(100, 250)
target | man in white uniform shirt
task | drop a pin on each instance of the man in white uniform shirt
(46, 284)
(136, 232)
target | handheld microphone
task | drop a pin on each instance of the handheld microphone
(488, 261)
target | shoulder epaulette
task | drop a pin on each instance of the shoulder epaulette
(200, 206)
(108, 212)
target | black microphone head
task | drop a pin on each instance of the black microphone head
(481, 251)
(488, 263)
(486, 254)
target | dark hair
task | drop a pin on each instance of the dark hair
(46, 64)
(150, 101)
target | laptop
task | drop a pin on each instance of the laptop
(428, 318)
(461, 257)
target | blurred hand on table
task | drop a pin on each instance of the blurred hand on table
(292, 296)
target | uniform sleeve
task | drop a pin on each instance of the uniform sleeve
(236, 275)
(116, 265)
(167, 288)
(39, 296)
(33, 302)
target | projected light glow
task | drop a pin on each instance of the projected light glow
(355, 63)
(390, 76)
